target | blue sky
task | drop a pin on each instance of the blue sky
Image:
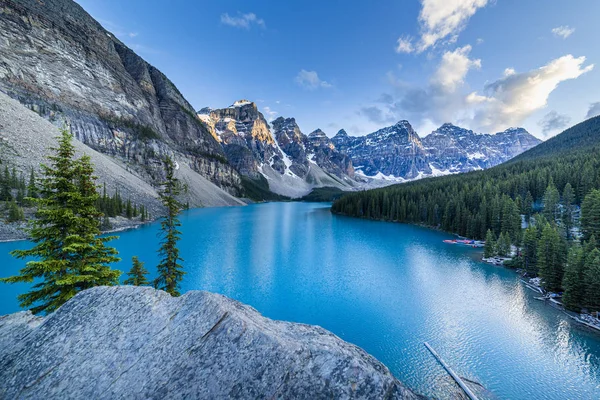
(482, 64)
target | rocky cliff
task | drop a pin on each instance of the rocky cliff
(60, 62)
(291, 162)
(140, 343)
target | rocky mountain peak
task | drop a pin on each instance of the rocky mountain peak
(341, 134)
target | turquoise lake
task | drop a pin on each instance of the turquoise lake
(385, 287)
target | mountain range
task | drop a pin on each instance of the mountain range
(293, 162)
(59, 62)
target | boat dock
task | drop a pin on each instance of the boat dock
(454, 376)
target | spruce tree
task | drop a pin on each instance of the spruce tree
(573, 280)
(15, 213)
(567, 211)
(137, 274)
(529, 251)
(67, 256)
(590, 215)
(592, 281)
(489, 249)
(5, 192)
(551, 201)
(129, 210)
(32, 191)
(550, 259)
(170, 272)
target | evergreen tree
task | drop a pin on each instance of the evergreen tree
(490, 245)
(503, 245)
(14, 180)
(590, 215)
(68, 256)
(530, 239)
(551, 201)
(137, 274)
(143, 213)
(32, 191)
(573, 280)
(5, 192)
(567, 211)
(15, 213)
(592, 281)
(550, 259)
(170, 272)
(129, 210)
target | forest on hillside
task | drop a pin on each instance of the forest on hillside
(553, 188)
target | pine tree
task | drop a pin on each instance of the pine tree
(567, 211)
(5, 192)
(551, 200)
(170, 272)
(550, 259)
(590, 215)
(530, 239)
(15, 213)
(129, 210)
(143, 213)
(32, 191)
(573, 280)
(137, 274)
(68, 256)
(490, 245)
(592, 281)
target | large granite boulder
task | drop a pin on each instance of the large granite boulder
(139, 343)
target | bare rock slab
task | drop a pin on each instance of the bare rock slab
(139, 343)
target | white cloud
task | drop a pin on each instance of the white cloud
(594, 110)
(404, 45)
(563, 31)
(511, 99)
(506, 102)
(479, 41)
(269, 113)
(133, 34)
(553, 121)
(244, 21)
(453, 68)
(442, 18)
(310, 80)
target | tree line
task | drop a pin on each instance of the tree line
(68, 254)
(530, 203)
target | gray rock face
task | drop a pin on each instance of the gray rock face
(140, 343)
(245, 136)
(56, 59)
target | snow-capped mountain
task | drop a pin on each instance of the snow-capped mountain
(293, 163)
(396, 153)
(452, 149)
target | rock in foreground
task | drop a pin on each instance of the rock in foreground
(141, 343)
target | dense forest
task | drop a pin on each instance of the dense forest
(544, 202)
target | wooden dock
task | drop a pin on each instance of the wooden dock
(454, 376)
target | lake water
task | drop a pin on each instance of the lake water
(385, 287)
